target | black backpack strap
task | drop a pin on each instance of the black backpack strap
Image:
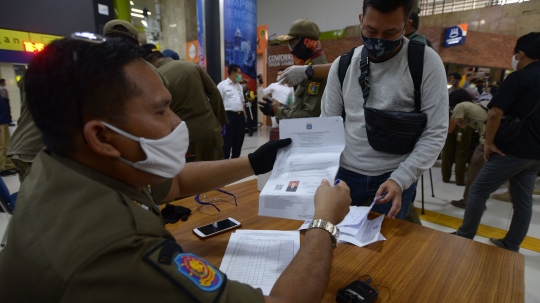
(344, 63)
(416, 67)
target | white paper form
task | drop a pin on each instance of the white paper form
(356, 228)
(317, 144)
(259, 257)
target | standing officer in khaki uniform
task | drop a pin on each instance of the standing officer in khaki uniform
(196, 100)
(26, 140)
(86, 228)
(303, 40)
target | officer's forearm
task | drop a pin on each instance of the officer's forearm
(321, 70)
(305, 279)
(200, 177)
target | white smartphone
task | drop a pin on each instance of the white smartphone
(216, 227)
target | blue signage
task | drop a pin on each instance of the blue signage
(455, 35)
(200, 32)
(240, 22)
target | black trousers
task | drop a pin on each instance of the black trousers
(234, 135)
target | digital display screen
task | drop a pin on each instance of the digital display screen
(216, 227)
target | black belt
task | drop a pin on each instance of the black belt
(233, 112)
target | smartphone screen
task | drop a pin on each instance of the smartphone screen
(216, 227)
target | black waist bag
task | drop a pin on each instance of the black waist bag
(392, 131)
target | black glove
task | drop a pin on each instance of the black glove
(262, 160)
(173, 213)
(267, 108)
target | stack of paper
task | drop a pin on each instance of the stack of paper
(258, 257)
(356, 228)
(313, 155)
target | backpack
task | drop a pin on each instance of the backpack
(416, 68)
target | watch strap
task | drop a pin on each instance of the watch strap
(332, 229)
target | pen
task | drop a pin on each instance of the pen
(379, 197)
(337, 182)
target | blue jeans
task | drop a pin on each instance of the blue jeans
(522, 175)
(363, 189)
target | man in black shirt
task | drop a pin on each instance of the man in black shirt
(518, 160)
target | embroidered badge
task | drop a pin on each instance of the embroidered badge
(198, 271)
(313, 88)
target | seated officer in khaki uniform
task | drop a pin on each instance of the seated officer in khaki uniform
(86, 228)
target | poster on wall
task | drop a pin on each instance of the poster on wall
(200, 34)
(240, 31)
(262, 38)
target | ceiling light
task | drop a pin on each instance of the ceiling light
(131, 2)
(149, 13)
(172, 25)
(137, 10)
(144, 23)
(137, 15)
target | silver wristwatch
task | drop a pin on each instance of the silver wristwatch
(329, 227)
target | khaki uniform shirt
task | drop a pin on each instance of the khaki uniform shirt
(80, 236)
(26, 140)
(473, 115)
(195, 98)
(307, 97)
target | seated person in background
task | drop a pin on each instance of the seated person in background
(86, 227)
(457, 146)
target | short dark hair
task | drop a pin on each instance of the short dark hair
(386, 6)
(70, 81)
(415, 21)
(281, 70)
(529, 44)
(233, 68)
(2, 80)
(458, 96)
(456, 76)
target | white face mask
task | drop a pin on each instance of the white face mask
(514, 62)
(165, 157)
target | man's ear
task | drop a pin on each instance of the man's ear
(407, 25)
(360, 18)
(98, 139)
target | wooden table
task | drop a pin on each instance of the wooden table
(415, 264)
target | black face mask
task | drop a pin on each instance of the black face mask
(480, 89)
(300, 51)
(380, 48)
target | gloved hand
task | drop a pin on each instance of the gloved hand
(267, 107)
(223, 130)
(173, 213)
(293, 75)
(262, 160)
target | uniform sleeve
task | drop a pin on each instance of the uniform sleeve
(151, 269)
(214, 96)
(161, 190)
(459, 111)
(221, 89)
(507, 94)
(307, 100)
(435, 106)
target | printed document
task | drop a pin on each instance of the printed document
(317, 144)
(259, 257)
(356, 228)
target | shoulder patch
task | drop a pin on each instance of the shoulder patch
(313, 88)
(198, 271)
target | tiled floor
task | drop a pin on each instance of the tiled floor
(497, 215)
